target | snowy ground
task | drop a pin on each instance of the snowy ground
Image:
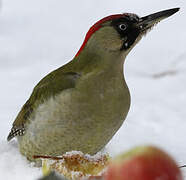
(37, 36)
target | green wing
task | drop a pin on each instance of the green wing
(49, 86)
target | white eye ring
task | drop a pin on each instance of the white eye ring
(123, 27)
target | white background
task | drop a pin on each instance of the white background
(37, 36)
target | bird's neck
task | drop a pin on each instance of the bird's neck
(89, 60)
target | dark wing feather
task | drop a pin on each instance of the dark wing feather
(49, 86)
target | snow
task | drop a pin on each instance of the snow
(37, 36)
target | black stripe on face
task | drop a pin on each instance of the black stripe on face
(127, 30)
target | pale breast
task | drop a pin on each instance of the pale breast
(76, 118)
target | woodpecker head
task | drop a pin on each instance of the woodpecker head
(120, 32)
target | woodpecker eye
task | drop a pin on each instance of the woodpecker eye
(123, 27)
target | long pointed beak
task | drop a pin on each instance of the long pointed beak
(149, 21)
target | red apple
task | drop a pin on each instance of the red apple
(143, 163)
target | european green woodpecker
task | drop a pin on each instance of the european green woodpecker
(81, 105)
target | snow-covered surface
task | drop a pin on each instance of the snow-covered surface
(37, 36)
